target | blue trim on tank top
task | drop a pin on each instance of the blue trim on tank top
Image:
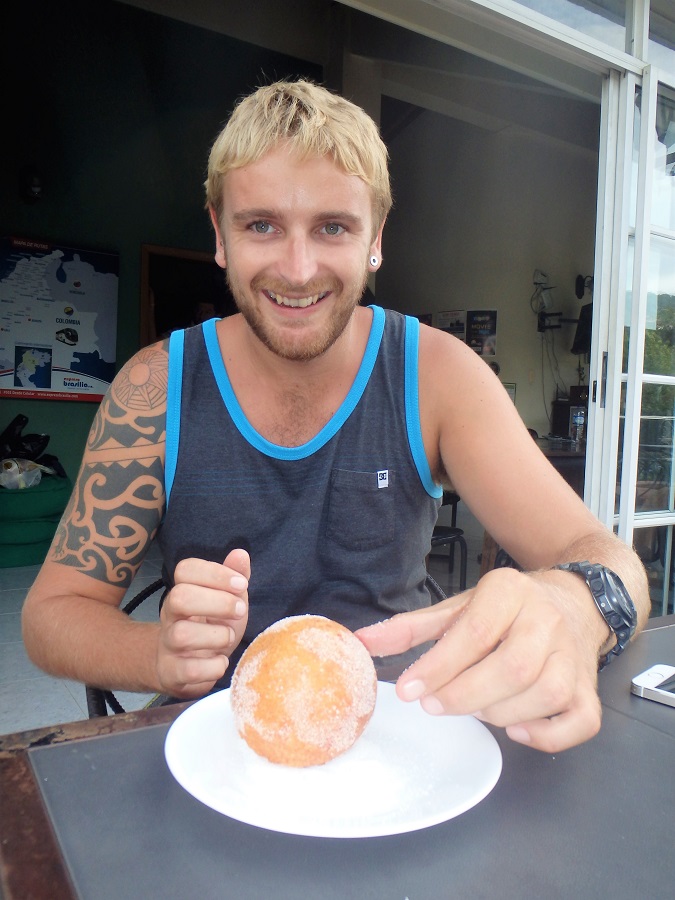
(412, 408)
(173, 401)
(414, 430)
(329, 430)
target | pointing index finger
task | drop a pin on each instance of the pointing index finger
(406, 630)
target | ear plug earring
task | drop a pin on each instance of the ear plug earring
(374, 261)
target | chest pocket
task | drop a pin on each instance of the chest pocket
(360, 511)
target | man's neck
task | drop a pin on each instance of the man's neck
(289, 401)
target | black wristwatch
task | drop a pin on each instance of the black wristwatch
(613, 602)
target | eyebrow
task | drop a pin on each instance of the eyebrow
(246, 215)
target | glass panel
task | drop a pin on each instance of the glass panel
(622, 426)
(655, 453)
(663, 190)
(660, 324)
(632, 210)
(604, 20)
(655, 548)
(662, 34)
(628, 305)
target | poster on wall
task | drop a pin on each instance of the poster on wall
(481, 331)
(451, 320)
(58, 320)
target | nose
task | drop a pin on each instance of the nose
(299, 263)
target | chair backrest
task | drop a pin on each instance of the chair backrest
(99, 701)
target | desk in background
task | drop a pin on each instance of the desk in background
(570, 462)
(94, 804)
(568, 459)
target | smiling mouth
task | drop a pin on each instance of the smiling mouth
(296, 302)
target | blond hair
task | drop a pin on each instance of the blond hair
(314, 122)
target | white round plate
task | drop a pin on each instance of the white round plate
(408, 770)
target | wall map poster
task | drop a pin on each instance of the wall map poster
(58, 320)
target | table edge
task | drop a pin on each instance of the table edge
(31, 863)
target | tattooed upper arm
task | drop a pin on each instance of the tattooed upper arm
(118, 500)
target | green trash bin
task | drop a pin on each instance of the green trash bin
(28, 520)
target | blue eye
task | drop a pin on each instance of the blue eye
(333, 229)
(261, 227)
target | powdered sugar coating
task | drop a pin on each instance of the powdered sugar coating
(303, 691)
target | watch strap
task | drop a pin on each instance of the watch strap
(613, 601)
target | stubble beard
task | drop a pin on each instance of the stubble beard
(280, 344)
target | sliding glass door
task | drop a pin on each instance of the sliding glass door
(631, 467)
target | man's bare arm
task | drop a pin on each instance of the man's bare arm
(72, 624)
(519, 650)
(118, 499)
(71, 621)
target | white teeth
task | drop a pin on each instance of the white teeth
(300, 302)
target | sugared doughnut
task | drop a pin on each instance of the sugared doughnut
(303, 691)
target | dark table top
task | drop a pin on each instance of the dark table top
(560, 447)
(90, 810)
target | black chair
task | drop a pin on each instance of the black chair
(451, 498)
(99, 701)
(447, 536)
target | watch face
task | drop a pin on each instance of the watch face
(612, 582)
(615, 584)
(612, 594)
(620, 596)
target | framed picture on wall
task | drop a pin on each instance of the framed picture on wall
(179, 288)
(451, 320)
(481, 331)
(58, 330)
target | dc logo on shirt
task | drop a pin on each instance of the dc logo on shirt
(383, 478)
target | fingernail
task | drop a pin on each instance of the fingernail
(239, 608)
(519, 734)
(432, 706)
(238, 583)
(413, 690)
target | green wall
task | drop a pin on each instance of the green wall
(117, 109)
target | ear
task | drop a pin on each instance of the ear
(375, 251)
(220, 243)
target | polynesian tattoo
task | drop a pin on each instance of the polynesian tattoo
(118, 501)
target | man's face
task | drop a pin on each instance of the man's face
(297, 238)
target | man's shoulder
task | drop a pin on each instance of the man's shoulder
(140, 387)
(155, 356)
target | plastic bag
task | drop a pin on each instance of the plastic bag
(13, 443)
(19, 473)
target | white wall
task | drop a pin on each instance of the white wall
(475, 213)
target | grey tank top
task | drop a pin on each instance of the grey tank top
(339, 526)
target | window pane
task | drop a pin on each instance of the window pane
(628, 305)
(655, 489)
(662, 34)
(655, 548)
(632, 211)
(660, 330)
(622, 428)
(663, 191)
(604, 20)
(655, 452)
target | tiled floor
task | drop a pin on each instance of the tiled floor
(31, 699)
(28, 697)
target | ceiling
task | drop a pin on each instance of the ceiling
(415, 70)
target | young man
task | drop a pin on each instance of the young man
(294, 455)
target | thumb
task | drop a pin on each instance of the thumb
(239, 561)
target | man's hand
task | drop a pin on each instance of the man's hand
(517, 651)
(203, 620)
